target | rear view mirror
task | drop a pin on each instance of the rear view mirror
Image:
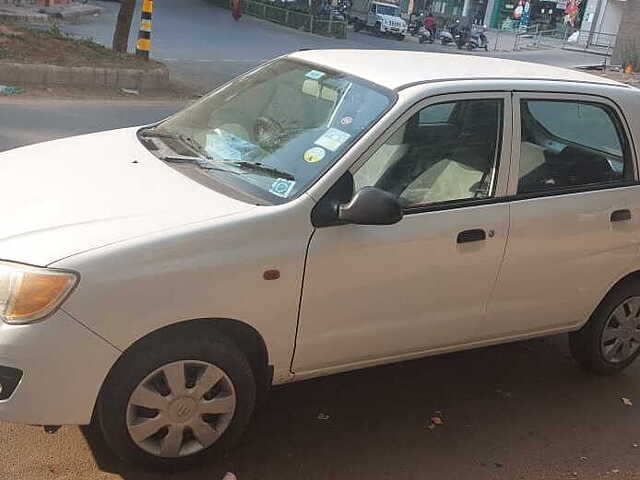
(371, 206)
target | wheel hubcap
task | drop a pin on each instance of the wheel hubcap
(621, 333)
(181, 408)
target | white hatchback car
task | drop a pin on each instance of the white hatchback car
(316, 215)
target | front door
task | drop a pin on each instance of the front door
(373, 293)
(573, 214)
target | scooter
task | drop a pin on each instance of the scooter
(478, 39)
(446, 37)
(425, 35)
(414, 27)
(450, 34)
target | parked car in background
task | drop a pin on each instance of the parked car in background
(316, 215)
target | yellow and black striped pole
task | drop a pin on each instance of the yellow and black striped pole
(144, 36)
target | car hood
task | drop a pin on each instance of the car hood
(72, 195)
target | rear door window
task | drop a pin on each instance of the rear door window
(569, 144)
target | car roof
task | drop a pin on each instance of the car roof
(397, 69)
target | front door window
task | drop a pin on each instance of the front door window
(444, 153)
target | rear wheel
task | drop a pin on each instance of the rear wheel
(610, 341)
(377, 30)
(167, 405)
(400, 37)
(357, 26)
(443, 41)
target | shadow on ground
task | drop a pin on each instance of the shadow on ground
(509, 412)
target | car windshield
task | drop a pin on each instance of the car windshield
(387, 10)
(272, 133)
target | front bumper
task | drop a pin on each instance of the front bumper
(394, 30)
(63, 365)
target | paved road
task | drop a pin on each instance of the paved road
(23, 122)
(204, 46)
(519, 411)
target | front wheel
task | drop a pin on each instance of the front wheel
(357, 26)
(443, 41)
(377, 30)
(610, 341)
(167, 405)
(400, 37)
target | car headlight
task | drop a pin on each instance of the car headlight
(31, 293)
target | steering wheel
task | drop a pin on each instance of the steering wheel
(268, 132)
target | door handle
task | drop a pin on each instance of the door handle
(475, 235)
(621, 215)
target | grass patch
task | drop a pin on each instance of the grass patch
(54, 47)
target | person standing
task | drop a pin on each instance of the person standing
(430, 24)
(236, 9)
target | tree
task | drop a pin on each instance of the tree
(123, 27)
(628, 42)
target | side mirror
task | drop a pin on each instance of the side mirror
(371, 206)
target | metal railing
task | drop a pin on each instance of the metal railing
(592, 42)
(292, 15)
(18, 2)
(535, 38)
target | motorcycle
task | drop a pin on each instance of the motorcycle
(425, 35)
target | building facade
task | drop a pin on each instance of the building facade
(602, 16)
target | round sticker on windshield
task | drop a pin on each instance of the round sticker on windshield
(347, 120)
(314, 155)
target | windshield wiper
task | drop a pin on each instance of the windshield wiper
(209, 164)
(188, 141)
(260, 168)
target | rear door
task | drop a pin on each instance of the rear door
(572, 222)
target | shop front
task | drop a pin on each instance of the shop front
(513, 14)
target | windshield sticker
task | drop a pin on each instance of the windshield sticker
(282, 187)
(332, 139)
(314, 154)
(346, 120)
(314, 75)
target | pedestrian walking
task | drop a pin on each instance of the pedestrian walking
(236, 9)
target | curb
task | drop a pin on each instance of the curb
(49, 75)
(30, 19)
(71, 13)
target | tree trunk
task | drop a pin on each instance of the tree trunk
(628, 41)
(123, 27)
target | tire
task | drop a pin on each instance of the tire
(400, 38)
(377, 30)
(115, 413)
(443, 41)
(357, 26)
(587, 346)
(421, 39)
(470, 47)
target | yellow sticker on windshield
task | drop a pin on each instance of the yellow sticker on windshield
(314, 155)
